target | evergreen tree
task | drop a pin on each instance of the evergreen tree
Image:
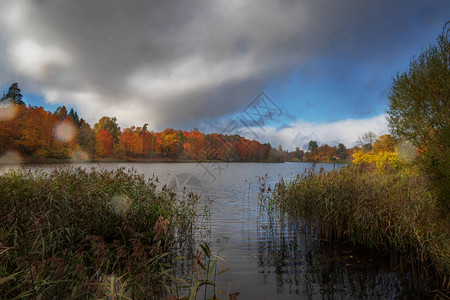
(61, 113)
(14, 94)
(74, 116)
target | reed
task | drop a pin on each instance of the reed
(75, 233)
(390, 213)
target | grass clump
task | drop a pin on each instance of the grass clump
(392, 213)
(75, 233)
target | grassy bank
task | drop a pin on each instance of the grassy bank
(391, 213)
(72, 233)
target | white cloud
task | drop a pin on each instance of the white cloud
(37, 62)
(298, 134)
(172, 63)
(189, 75)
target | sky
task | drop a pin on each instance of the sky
(326, 65)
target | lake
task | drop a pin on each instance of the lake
(268, 256)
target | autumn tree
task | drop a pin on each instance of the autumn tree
(35, 130)
(110, 125)
(157, 143)
(384, 142)
(216, 146)
(171, 142)
(37, 133)
(382, 154)
(147, 140)
(194, 145)
(136, 141)
(104, 143)
(419, 111)
(9, 130)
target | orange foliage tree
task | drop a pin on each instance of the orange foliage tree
(104, 143)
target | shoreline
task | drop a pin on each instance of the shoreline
(152, 160)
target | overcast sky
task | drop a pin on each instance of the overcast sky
(183, 64)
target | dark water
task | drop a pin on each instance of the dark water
(271, 256)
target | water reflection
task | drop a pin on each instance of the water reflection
(291, 253)
(273, 256)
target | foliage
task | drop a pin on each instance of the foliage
(312, 146)
(171, 142)
(70, 233)
(110, 125)
(31, 132)
(419, 111)
(86, 138)
(384, 142)
(298, 154)
(61, 113)
(73, 115)
(341, 151)
(104, 143)
(383, 155)
(384, 160)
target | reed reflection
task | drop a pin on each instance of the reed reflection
(292, 254)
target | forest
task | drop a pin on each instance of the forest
(37, 135)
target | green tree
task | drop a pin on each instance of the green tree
(419, 111)
(281, 153)
(341, 151)
(86, 138)
(298, 153)
(313, 146)
(14, 94)
(75, 118)
(274, 155)
(61, 113)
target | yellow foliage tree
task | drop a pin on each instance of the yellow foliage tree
(383, 155)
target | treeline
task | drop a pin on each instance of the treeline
(36, 134)
(323, 153)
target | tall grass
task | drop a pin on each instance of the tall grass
(74, 233)
(391, 213)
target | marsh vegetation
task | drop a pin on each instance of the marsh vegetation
(393, 214)
(76, 233)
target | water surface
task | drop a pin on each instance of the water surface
(273, 257)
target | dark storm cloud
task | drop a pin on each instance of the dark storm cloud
(170, 63)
